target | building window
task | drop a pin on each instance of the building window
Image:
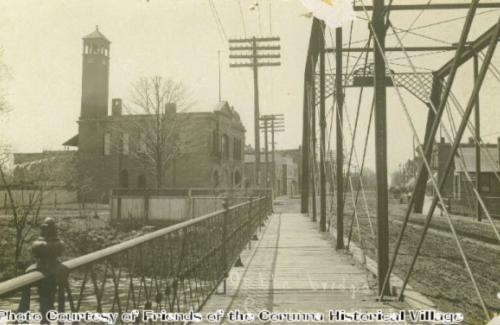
(125, 144)
(123, 179)
(237, 149)
(141, 181)
(107, 144)
(225, 146)
(485, 182)
(216, 178)
(237, 179)
(214, 142)
(142, 142)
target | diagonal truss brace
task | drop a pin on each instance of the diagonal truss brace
(408, 80)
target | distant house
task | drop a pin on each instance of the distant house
(457, 187)
(287, 172)
(48, 169)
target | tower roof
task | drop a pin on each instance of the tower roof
(97, 35)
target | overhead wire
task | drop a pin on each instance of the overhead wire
(441, 22)
(270, 17)
(258, 14)
(242, 17)
(218, 21)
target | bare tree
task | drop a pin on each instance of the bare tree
(23, 204)
(5, 75)
(157, 123)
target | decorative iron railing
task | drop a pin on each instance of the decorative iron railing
(176, 268)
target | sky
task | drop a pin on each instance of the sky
(180, 39)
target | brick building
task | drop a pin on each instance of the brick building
(457, 189)
(110, 147)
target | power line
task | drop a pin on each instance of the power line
(445, 21)
(242, 16)
(218, 21)
(258, 14)
(270, 17)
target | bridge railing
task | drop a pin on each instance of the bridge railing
(175, 268)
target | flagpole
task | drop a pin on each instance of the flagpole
(218, 60)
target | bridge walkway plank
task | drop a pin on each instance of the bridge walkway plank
(294, 268)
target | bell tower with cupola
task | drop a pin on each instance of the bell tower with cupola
(95, 76)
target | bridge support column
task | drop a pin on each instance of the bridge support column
(339, 96)
(322, 127)
(379, 27)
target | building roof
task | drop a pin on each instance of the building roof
(278, 157)
(468, 153)
(72, 142)
(97, 35)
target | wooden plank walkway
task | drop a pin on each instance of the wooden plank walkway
(294, 268)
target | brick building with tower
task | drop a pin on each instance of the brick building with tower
(109, 146)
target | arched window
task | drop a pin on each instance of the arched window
(123, 179)
(216, 178)
(141, 181)
(225, 146)
(237, 178)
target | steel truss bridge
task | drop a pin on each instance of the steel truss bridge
(433, 89)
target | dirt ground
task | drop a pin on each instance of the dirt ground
(440, 272)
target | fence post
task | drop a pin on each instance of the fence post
(250, 219)
(190, 207)
(225, 206)
(146, 205)
(118, 208)
(47, 249)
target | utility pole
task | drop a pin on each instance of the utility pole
(248, 53)
(218, 60)
(379, 27)
(339, 95)
(271, 123)
(266, 148)
(477, 129)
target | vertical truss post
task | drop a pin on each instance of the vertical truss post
(339, 95)
(477, 130)
(309, 104)
(306, 134)
(322, 127)
(313, 155)
(378, 20)
(421, 183)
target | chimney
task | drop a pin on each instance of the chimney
(471, 140)
(170, 108)
(498, 148)
(116, 107)
(442, 140)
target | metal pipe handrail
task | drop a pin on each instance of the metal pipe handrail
(33, 277)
